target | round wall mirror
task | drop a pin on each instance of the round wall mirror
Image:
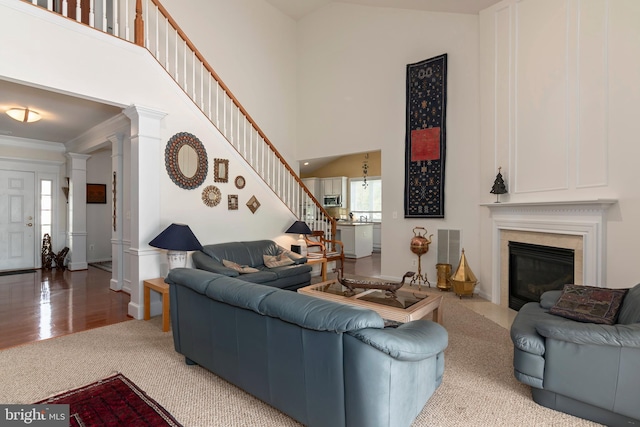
(186, 160)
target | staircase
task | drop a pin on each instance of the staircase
(148, 24)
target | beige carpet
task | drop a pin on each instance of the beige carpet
(478, 387)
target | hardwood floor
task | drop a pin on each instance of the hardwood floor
(46, 304)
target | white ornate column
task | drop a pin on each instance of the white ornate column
(144, 214)
(77, 211)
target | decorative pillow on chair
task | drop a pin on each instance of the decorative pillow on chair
(279, 260)
(239, 268)
(589, 304)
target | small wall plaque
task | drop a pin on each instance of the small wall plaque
(253, 204)
(97, 193)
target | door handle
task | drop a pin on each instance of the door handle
(29, 224)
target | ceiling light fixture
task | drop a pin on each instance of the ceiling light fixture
(24, 115)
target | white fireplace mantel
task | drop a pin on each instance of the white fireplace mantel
(585, 218)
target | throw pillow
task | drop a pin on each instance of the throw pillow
(589, 304)
(242, 269)
(297, 258)
(279, 260)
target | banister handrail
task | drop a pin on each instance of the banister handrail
(217, 78)
(164, 12)
(286, 184)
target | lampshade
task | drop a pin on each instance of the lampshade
(299, 227)
(24, 115)
(177, 237)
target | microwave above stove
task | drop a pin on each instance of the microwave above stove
(332, 200)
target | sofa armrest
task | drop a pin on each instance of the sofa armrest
(203, 261)
(549, 299)
(412, 341)
(590, 333)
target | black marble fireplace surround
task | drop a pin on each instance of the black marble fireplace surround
(535, 269)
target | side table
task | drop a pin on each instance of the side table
(324, 265)
(157, 285)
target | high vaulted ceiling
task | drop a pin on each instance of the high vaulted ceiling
(66, 117)
(299, 8)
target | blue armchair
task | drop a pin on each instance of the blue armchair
(584, 369)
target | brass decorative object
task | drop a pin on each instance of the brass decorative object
(444, 273)
(463, 280)
(389, 287)
(420, 246)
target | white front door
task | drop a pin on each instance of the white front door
(17, 220)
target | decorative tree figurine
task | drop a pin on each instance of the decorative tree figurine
(498, 186)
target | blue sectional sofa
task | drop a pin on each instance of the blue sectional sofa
(251, 254)
(320, 362)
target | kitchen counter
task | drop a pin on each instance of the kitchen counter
(357, 238)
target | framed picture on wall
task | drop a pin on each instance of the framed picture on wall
(97, 193)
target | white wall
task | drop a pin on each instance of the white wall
(251, 46)
(351, 96)
(559, 96)
(119, 73)
(99, 216)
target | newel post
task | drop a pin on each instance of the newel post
(138, 24)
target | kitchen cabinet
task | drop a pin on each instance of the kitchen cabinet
(314, 184)
(335, 186)
(357, 238)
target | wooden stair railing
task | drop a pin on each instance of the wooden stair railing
(157, 31)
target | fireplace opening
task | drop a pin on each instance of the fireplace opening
(535, 269)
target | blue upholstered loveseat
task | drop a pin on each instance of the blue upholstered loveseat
(251, 254)
(585, 369)
(322, 363)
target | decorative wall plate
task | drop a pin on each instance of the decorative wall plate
(253, 204)
(240, 182)
(186, 160)
(211, 195)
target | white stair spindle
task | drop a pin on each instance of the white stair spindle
(184, 60)
(65, 8)
(127, 27)
(166, 45)
(105, 24)
(116, 20)
(49, 4)
(92, 15)
(78, 11)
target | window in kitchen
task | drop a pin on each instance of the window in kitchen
(366, 200)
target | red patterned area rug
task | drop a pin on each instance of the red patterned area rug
(113, 401)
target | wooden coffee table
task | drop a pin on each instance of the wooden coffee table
(409, 303)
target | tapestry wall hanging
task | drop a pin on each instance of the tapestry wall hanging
(425, 138)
